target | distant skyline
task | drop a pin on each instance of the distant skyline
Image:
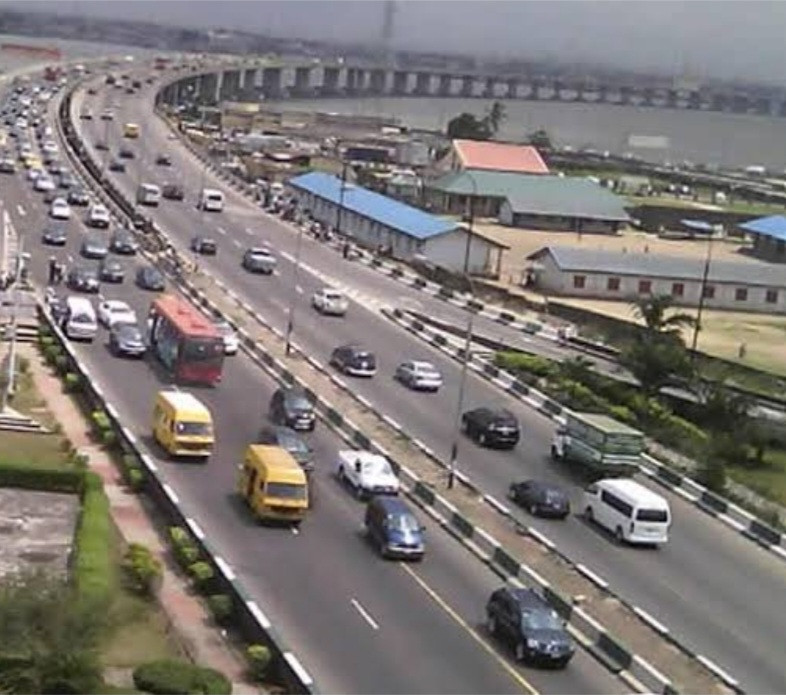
(742, 39)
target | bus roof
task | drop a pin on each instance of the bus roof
(606, 424)
(183, 400)
(185, 316)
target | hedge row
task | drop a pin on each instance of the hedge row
(169, 677)
(45, 479)
(93, 571)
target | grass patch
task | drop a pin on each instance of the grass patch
(768, 481)
(32, 450)
(29, 401)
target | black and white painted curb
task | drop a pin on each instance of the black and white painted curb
(726, 511)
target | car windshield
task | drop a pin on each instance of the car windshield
(540, 620)
(129, 332)
(291, 442)
(405, 523)
(82, 318)
(553, 496)
(119, 309)
(199, 429)
(287, 491)
(298, 403)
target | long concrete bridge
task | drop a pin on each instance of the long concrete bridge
(251, 81)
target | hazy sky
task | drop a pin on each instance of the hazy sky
(738, 40)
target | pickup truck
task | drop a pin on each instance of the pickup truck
(601, 445)
(330, 301)
(366, 473)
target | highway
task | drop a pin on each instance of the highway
(708, 585)
(359, 624)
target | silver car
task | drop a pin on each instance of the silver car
(419, 375)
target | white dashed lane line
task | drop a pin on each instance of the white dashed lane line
(364, 614)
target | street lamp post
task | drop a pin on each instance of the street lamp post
(10, 386)
(293, 294)
(702, 293)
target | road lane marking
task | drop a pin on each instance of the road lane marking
(221, 230)
(365, 614)
(20, 210)
(299, 289)
(249, 231)
(236, 243)
(512, 672)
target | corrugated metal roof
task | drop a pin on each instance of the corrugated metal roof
(750, 272)
(499, 156)
(773, 226)
(374, 206)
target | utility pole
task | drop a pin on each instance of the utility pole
(702, 292)
(10, 386)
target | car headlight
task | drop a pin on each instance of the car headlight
(532, 643)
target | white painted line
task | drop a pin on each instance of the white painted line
(486, 537)
(736, 525)
(249, 231)
(196, 529)
(366, 615)
(236, 243)
(288, 256)
(256, 611)
(226, 570)
(592, 576)
(299, 289)
(717, 670)
(541, 538)
(779, 551)
(297, 667)
(170, 493)
(652, 622)
(149, 463)
(20, 210)
(129, 435)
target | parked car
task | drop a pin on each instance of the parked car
(291, 441)
(354, 360)
(94, 246)
(78, 196)
(86, 115)
(50, 197)
(330, 302)
(204, 245)
(523, 619)
(117, 165)
(67, 180)
(54, 236)
(123, 243)
(126, 153)
(101, 146)
(98, 216)
(164, 160)
(172, 191)
(83, 279)
(112, 311)
(107, 115)
(259, 260)
(148, 278)
(291, 406)
(540, 498)
(126, 340)
(419, 375)
(492, 427)
(228, 334)
(111, 270)
(366, 473)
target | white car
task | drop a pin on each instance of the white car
(113, 311)
(49, 147)
(44, 184)
(33, 174)
(107, 115)
(367, 473)
(231, 342)
(60, 209)
(98, 216)
(419, 375)
(330, 301)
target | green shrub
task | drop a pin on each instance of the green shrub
(178, 535)
(61, 363)
(44, 331)
(220, 606)
(259, 658)
(523, 362)
(186, 555)
(143, 570)
(93, 567)
(45, 341)
(136, 479)
(623, 414)
(51, 480)
(202, 574)
(100, 420)
(169, 677)
(108, 438)
(72, 382)
(51, 352)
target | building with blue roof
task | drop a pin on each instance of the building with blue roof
(376, 221)
(769, 237)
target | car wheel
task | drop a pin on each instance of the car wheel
(555, 454)
(588, 515)
(618, 535)
(342, 476)
(491, 625)
(521, 652)
(533, 509)
(482, 439)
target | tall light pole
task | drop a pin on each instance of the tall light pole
(10, 386)
(465, 357)
(341, 197)
(702, 292)
(293, 294)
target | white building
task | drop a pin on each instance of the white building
(374, 220)
(748, 285)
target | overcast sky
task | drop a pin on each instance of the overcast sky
(739, 40)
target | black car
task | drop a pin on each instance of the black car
(123, 243)
(55, 168)
(55, 236)
(94, 246)
(290, 406)
(111, 270)
(126, 153)
(83, 279)
(540, 499)
(126, 340)
(491, 427)
(290, 441)
(67, 180)
(524, 620)
(204, 245)
(102, 146)
(164, 160)
(78, 196)
(171, 191)
(354, 360)
(117, 165)
(148, 278)
(7, 166)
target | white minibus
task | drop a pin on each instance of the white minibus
(632, 512)
(211, 200)
(148, 194)
(80, 321)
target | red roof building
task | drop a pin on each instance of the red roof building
(496, 156)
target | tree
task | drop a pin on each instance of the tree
(465, 126)
(540, 139)
(653, 310)
(656, 362)
(495, 117)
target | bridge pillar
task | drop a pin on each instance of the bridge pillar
(694, 100)
(230, 85)
(558, 87)
(488, 87)
(719, 102)
(467, 86)
(249, 80)
(423, 83)
(400, 82)
(603, 94)
(378, 81)
(330, 80)
(271, 82)
(302, 80)
(445, 85)
(351, 80)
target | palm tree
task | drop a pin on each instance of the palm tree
(495, 117)
(654, 311)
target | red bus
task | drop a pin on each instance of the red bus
(185, 341)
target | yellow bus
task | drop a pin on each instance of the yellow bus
(130, 130)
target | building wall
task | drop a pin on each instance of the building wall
(448, 251)
(557, 223)
(552, 280)
(769, 249)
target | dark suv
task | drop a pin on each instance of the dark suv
(541, 499)
(491, 427)
(354, 360)
(293, 408)
(534, 629)
(290, 441)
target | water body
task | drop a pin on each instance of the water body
(724, 139)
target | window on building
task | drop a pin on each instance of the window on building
(771, 297)
(613, 284)
(709, 291)
(741, 294)
(579, 281)
(678, 289)
(645, 286)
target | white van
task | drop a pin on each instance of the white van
(80, 321)
(632, 512)
(148, 194)
(211, 200)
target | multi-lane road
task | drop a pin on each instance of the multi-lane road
(360, 624)
(713, 588)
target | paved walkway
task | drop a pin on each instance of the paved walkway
(188, 615)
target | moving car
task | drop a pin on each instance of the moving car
(183, 425)
(94, 246)
(111, 270)
(290, 441)
(67, 180)
(354, 360)
(83, 278)
(164, 160)
(117, 165)
(126, 340)
(291, 406)
(7, 166)
(211, 200)
(273, 484)
(50, 197)
(86, 115)
(540, 498)
(172, 191)
(204, 245)
(148, 278)
(107, 115)
(60, 209)
(492, 427)
(330, 302)
(259, 260)
(126, 153)
(44, 183)
(419, 375)
(78, 196)
(54, 236)
(78, 319)
(366, 473)
(112, 311)
(523, 619)
(228, 334)
(394, 529)
(98, 216)
(101, 146)
(123, 243)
